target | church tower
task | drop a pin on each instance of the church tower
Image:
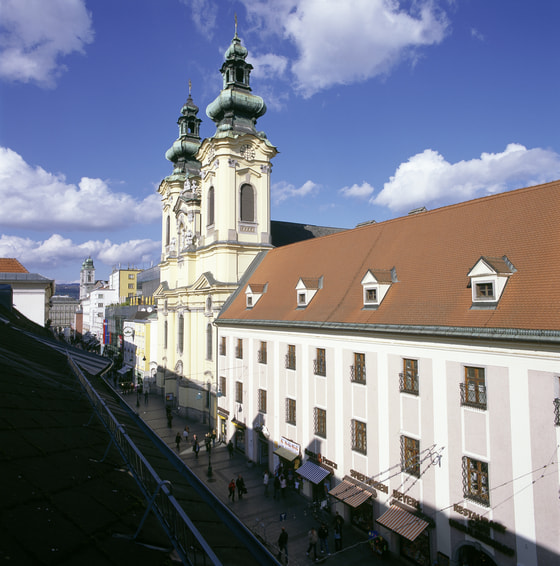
(215, 220)
(87, 277)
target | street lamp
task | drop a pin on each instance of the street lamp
(209, 434)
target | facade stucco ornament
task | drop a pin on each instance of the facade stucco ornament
(265, 168)
(232, 162)
(216, 163)
(211, 154)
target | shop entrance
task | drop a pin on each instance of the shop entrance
(469, 555)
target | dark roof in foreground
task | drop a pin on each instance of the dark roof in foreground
(432, 254)
(284, 233)
(59, 504)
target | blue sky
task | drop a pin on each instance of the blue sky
(376, 107)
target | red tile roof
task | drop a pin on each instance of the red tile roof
(432, 254)
(11, 265)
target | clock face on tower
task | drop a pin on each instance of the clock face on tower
(247, 152)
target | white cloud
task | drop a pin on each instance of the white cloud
(357, 191)
(282, 190)
(204, 14)
(269, 66)
(59, 252)
(351, 41)
(27, 193)
(36, 34)
(427, 178)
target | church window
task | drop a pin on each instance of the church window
(167, 230)
(180, 334)
(247, 203)
(209, 342)
(240, 75)
(211, 206)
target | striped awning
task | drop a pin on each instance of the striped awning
(286, 454)
(312, 472)
(350, 493)
(402, 522)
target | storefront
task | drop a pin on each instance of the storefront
(412, 535)
(239, 435)
(223, 416)
(358, 498)
(313, 476)
(289, 459)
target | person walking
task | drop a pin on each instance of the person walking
(313, 539)
(146, 394)
(178, 441)
(324, 538)
(186, 434)
(283, 485)
(266, 479)
(276, 487)
(283, 544)
(230, 449)
(338, 523)
(231, 490)
(240, 483)
(196, 449)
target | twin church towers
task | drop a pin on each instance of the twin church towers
(215, 220)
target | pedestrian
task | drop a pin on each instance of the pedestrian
(283, 544)
(324, 538)
(230, 449)
(276, 487)
(178, 441)
(313, 539)
(337, 537)
(266, 479)
(283, 485)
(231, 489)
(186, 433)
(213, 438)
(240, 483)
(196, 448)
(146, 394)
(169, 417)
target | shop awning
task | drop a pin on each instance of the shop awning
(312, 472)
(402, 522)
(286, 454)
(349, 493)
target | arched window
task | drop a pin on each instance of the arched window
(211, 206)
(167, 230)
(209, 342)
(247, 199)
(180, 333)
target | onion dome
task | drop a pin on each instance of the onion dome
(236, 109)
(183, 151)
(87, 264)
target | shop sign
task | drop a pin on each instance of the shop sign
(477, 517)
(321, 459)
(368, 481)
(289, 445)
(406, 499)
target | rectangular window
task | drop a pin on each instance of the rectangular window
(99, 305)
(359, 436)
(557, 412)
(223, 389)
(301, 298)
(475, 481)
(239, 392)
(222, 346)
(410, 456)
(249, 301)
(409, 377)
(371, 295)
(131, 275)
(484, 290)
(320, 365)
(320, 421)
(473, 390)
(261, 354)
(239, 349)
(291, 357)
(291, 411)
(262, 400)
(131, 285)
(358, 370)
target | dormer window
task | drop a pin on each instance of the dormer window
(376, 283)
(253, 293)
(488, 279)
(306, 289)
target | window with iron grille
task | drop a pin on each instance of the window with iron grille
(239, 349)
(239, 392)
(409, 382)
(319, 364)
(484, 290)
(473, 390)
(222, 346)
(291, 411)
(261, 354)
(557, 412)
(358, 370)
(291, 357)
(475, 481)
(410, 456)
(223, 388)
(359, 436)
(262, 400)
(320, 421)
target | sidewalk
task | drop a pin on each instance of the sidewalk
(262, 515)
